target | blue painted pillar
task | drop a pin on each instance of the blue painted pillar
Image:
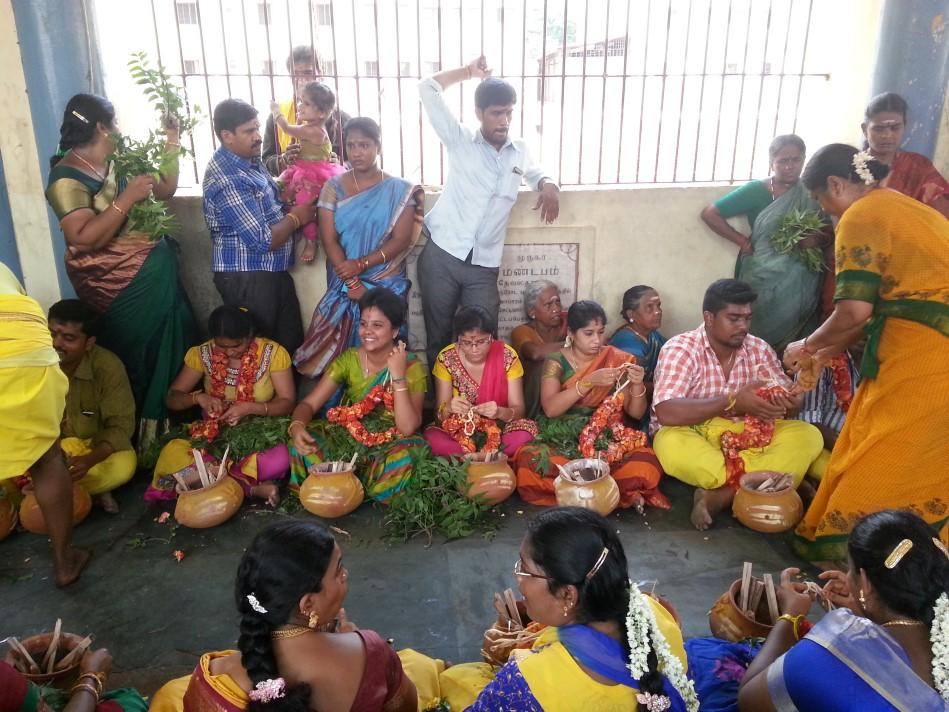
(913, 61)
(60, 55)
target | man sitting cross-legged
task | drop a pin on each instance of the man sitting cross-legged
(705, 383)
(100, 410)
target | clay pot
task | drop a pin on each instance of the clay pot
(209, 506)
(600, 494)
(727, 621)
(32, 518)
(37, 645)
(8, 517)
(331, 494)
(494, 481)
(768, 512)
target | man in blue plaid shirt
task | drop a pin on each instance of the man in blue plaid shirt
(251, 235)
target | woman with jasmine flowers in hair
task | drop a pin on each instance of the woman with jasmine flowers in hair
(297, 651)
(885, 646)
(608, 646)
(892, 255)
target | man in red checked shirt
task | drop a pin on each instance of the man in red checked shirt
(705, 384)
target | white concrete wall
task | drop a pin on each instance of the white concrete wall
(627, 236)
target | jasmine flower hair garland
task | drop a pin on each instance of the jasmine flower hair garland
(939, 635)
(641, 625)
(859, 162)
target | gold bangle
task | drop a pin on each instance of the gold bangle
(97, 681)
(119, 210)
(384, 260)
(172, 144)
(403, 388)
(194, 397)
(266, 408)
(295, 220)
(292, 423)
(732, 400)
(80, 686)
(578, 389)
(795, 622)
(640, 395)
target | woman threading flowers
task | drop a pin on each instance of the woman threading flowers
(379, 372)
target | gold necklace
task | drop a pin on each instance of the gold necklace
(356, 182)
(900, 621)
(293, 631)
(88, 165)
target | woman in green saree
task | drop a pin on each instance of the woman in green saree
(788, 291)
(130, 279)
(378, 361)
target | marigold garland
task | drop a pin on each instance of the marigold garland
(757, 433)
(350, 417)
(462, 428)
(609, 415)
(209, 428)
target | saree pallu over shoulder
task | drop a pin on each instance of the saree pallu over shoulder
(98, 276)
(788, 292)
(609, 357)
(848, 663)
(915, 175)
(364, 223)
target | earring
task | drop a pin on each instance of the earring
(568, 342)
(863, 600)
(312, 619)
(565, 611)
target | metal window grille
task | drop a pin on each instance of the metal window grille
(610, 92)
(187, 13)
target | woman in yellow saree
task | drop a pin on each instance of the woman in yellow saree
(576, 380)
(296, 649)
(892, 256)
(608, 647)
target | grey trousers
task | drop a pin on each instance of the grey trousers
(447, 283)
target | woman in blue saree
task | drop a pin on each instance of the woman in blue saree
(788, 301)
(884, 648)
(368, 223)
(572, 572)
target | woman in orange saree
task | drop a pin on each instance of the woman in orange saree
(576, 381)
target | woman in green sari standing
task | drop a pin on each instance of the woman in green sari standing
(788, 291)
(379, 361)
(130, 279)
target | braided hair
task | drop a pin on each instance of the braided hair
(285, 562)
(566, 543)
(81, 119)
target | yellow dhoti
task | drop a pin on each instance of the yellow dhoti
(31, 411)
(693, 453)
(111, 473)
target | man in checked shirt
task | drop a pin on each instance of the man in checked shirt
(705, 383)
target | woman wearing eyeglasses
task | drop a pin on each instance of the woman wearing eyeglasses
(572, 572)
(479, 375)
(788, 291)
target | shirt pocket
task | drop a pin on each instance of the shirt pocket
(510, 184)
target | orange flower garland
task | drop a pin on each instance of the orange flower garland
(350, 417)
(609, 415)
(246, 380)
(462, 427)
(757, 433)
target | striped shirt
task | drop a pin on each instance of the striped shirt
(240, 204)
(689, 368)
(820, 405)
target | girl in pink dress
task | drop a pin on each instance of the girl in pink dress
(303, 180)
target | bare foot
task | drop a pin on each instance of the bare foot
(707, 503)
(76, 561)
(107, 502)
(309, 251)
(268, 491)
(701, 519)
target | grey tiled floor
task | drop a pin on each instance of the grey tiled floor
(157, 615)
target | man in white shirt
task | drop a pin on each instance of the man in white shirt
(466, 228)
